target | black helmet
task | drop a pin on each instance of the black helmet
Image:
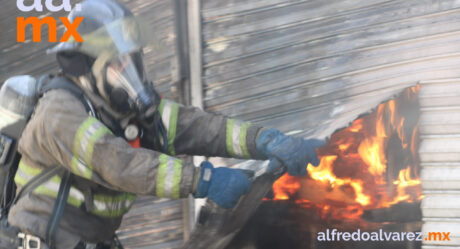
(111, 52)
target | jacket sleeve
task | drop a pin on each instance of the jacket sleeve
(61, 132)
(195, 132)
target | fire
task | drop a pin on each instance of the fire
(286, 186)
(371, 164)
(404, 183)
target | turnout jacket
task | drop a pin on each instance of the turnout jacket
(109, 173)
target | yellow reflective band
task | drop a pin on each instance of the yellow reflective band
(242, 138)
(160, 190)
(161, 106)
(172, 128)
(169, 112)
(236, 133)
(229, 141)
(87, 135)
(176, 179)
(104, 205)
(112, 206)
(78, 167)
(169, 177)
(50, 188)
(90, 149)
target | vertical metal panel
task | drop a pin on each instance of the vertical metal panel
(151, 223)
(194, 27)
(196, 68)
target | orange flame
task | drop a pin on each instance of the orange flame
(357, 165)
(285, 186)
(403, 184)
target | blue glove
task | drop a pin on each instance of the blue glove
(294, 153)
(224, 186)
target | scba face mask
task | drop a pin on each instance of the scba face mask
(122, 81)
(127, 85)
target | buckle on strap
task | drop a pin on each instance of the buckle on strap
(27, 241)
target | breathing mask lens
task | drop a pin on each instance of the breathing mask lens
(125, 74)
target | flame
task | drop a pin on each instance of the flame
(403, 185)
(285, 187)
(358, 170)
(371, 152)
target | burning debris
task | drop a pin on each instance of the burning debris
(369, 165)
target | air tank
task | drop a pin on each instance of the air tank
(17, 100)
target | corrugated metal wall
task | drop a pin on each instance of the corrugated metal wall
(440, 159)
(152, 223)
(313, 66)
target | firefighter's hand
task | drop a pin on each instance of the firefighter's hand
(294, 153)
(224, 186)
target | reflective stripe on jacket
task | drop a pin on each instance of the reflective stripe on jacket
(103, 204)
(195, 132)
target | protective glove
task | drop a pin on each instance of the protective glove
(224, 186)
(294, 153)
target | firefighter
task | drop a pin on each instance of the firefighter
(124, 144)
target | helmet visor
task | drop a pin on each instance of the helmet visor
(126, 73)
(121, 36)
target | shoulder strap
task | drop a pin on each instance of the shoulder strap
(58, 209)
(61, 82)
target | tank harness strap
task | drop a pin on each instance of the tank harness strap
(58, 209)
